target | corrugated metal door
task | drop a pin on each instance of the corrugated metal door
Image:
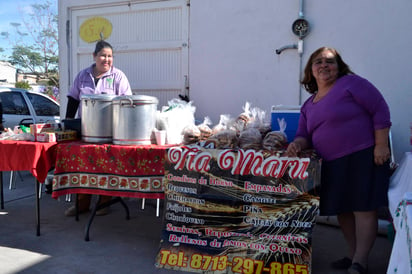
(150, 41)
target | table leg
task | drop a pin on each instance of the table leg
(1, 190)
(89, 223)
(125, 208)
(157, 207)
(86, 237)
(98, 206)
(76, 204)
(37, 208)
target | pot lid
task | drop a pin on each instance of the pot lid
(99, 97)
(137, 99)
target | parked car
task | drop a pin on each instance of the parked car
(24, 107)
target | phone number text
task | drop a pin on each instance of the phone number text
(237, 265)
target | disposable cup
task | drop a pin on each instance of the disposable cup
(160, 137)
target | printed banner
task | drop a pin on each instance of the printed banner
(238, 211)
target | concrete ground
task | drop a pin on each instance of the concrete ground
(116, 245)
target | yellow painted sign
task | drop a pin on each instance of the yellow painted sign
(95, 29)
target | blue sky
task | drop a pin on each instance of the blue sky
(13, 11)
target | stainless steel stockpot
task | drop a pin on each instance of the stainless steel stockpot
(134, 118)
(96, 122)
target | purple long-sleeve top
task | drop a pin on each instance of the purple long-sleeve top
(113, 82)
(345, 120)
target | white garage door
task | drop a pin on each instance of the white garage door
(150, 42)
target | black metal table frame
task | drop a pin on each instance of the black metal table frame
(37, 194)
(97, 206)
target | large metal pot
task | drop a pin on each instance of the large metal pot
(97, 113)
(134, 118)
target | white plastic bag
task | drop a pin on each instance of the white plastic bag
(174, 118)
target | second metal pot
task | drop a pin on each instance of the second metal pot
(134, 118)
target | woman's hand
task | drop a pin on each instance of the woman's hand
(381, 154)
(295, 147)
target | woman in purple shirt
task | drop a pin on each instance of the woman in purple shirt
(347, 121)
(99, 78)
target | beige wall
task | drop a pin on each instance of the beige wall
(31, 79)
(7, 73)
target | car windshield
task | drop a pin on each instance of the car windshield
(43, 106)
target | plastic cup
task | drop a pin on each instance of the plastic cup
(160, 137)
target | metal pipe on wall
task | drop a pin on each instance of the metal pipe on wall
(300, 51)
(301, 9)
(300, 27)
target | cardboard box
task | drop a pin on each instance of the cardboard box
(46, 137)
(290, 114)
(35, 129)
(57, 136)
(66, 135)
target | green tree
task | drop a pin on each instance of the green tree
(42, 26)
(23, 84)
(41, 57)
(28, 58)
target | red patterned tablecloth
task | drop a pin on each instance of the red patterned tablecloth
(116, 170)
(36, 157)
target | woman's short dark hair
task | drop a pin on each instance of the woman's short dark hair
(309, 82)
(101, 45)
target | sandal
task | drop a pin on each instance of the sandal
(343, 263)
(357, 268)
(102, 212)
(71, 211)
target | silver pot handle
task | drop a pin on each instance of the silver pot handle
(128, 102)
(91, 102)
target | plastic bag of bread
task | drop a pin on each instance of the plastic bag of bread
(191, 135)
(276, 140)
(243, 120)
(205, 130)
(259, 121)
(250, 138)
(223, 123)
(224, 139)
